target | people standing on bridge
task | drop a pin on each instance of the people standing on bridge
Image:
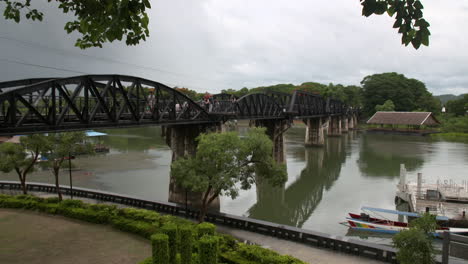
(206, 101)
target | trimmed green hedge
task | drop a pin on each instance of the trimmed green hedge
(251, 254)
(160, 245)
(186, 244)
(147, 223)
(170, 229)
(208, 250)
(205, 229)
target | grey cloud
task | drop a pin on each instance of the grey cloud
(210, 45)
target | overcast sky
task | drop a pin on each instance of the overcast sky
(209, 45)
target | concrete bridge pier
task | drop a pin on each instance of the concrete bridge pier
(344, 124)
(181, 140)
(314, 132)
(355, 120)
(350, 120)
(334, 128)
(275, 130)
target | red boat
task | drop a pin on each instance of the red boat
(365, 217)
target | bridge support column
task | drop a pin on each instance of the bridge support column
(314, 132)
(350, 122)
(356, 120)
(181, 140)
(335, 126)
(275, 130)
(344, 124)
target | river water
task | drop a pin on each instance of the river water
(324, 184)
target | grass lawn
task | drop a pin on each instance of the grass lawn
(30, 237)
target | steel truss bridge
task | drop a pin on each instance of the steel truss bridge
(99, 101)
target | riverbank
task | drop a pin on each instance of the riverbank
(452, 137)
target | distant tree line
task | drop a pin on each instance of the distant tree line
(386, 91)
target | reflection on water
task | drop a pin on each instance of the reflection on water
(324, 184)
(294, 205)
(381, 155)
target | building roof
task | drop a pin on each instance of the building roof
(403, 118)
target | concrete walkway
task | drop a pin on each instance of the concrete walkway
(303, 252)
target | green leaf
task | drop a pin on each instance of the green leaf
(425, 39)
(418, 5)
(398, 23)
(391, 11)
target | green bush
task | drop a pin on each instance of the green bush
(139, 214)
(136, 227)
(208, 250)
(19, 203)
(50, 208)
(205, 229)
(68, 203)
(186, 244)
(147, 261)
(160, 248)
(170, 229)
(88, 215)
(52, 200)
(251, 254)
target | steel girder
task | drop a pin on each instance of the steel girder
(92, 101)
(96, 101)
(259, 106)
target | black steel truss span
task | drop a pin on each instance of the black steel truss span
(92, 101)
(97, 101)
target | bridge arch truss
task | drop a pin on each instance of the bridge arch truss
(92, 101)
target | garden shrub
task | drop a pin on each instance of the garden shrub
(170, 229)
(205, 229)
(139, 214)
(186, 244)
(19, 203)
(68, 203)
(136, 227)
(52, 200)
(160, 248)
(251, 254)
(208, 250)
(50, 208)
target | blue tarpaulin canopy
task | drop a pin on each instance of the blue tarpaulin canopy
(91, 133)
(441, 218)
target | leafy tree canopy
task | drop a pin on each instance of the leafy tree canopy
(97, 21)
(350, 95)
(409, 19)
(406, 94)
(415, 245)
(15, 156)
(225, 163)
(458, 107)
(60, 146)
(387, 106)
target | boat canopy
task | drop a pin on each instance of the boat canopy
(440, 218)
(91, 133)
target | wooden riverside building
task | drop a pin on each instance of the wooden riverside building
(403, 122)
